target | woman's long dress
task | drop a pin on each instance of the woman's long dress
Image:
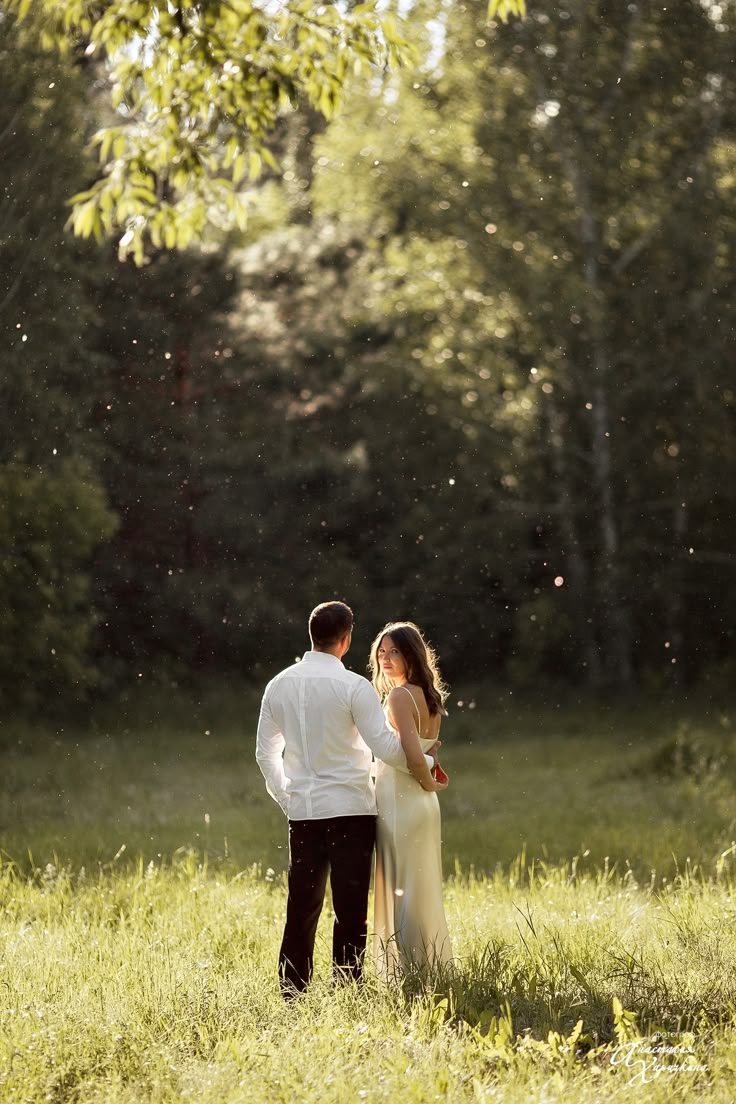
(409, 917)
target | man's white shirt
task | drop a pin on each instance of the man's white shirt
(318, 725)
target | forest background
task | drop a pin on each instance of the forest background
(469, 362)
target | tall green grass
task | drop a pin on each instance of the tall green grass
(158, 984)
(590, 897)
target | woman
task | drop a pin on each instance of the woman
(409, 919)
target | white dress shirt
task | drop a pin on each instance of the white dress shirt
(319, 724)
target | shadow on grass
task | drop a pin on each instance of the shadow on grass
(552, 992)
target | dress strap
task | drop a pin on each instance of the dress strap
(416, 708)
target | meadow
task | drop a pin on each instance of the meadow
(590, 894)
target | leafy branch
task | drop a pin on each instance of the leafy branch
(196, 91)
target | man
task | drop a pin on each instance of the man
(318, 725)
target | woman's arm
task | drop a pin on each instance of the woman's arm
(401, 717)
(371, 724)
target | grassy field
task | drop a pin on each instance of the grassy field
(649, 787)
(590, 896)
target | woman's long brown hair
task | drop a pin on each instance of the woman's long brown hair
(420, 660)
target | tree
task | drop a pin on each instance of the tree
(578, 193)
(368, 472)
(197, 89)
(51, 523)
(53, 509)
(170, 398)
(626, 150)
(46, 325)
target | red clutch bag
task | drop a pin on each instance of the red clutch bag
(439, 774)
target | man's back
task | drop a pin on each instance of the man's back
(315, 760)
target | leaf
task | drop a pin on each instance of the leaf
(84, 219)
(97, 226)
(255, 165)
(81, 197)
(327, 102)
(239, 168)
(624, 1022)
(504, 8)
(270, 160)
(104, 139)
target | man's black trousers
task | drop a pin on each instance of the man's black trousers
(343, 847)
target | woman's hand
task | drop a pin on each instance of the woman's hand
(438, 774)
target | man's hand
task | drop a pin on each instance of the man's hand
(434, 751)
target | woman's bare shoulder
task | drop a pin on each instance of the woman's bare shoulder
(400, 700)
(416, 692)
(398, 694)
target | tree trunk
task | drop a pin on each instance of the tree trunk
(615, 621)
(578, 578)
(194, 553)
(674, 596)
(575, 150)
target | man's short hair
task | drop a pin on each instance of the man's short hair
(329, 622)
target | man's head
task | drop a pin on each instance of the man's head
(330, 627)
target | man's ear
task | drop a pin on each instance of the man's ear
(347, 641)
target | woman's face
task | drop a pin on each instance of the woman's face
(390, 659)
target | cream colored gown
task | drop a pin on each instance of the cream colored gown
(409, 918)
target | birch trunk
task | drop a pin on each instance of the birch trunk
(578, 575)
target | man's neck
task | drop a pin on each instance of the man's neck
(330, 651)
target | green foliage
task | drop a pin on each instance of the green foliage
(399, 385)
(179, 451)
(47, 326)
(342, 396)
(521, 276)
(54, 511)
(51, 523)
(126, 368)
(197, 90)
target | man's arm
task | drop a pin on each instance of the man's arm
(270, 745)
(373, 727)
